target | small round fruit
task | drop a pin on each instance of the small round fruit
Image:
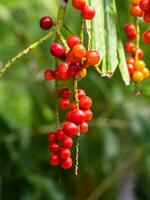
(139, 65)
(93, 57)
(130, 60)
(52, 137)
(79, 51)
(81, 93)
(64, 153)
(78, 4)
(48, 75)
(130, 31)
(135, 1)
(54, 148)
(146, 72)
(60, 135)
(145, 5)
(67, 142)
(46, 22)
(64, 104)
(136, 11)
(147, 17)
(85, 102)
(73, 40)
(83, 73)
(131, 69)
(88, 12)
(140, 53)
(146, 37)
(137, 76)
(54, 160)
(129, 47)
(62, 70)
(72, 106)
(57, 50)
(88, 115)
(65, 93)
(66, 164)
(84, 127)
(70, 129)
(77, 116)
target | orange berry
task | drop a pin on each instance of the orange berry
(138, 76)
(79, 51)
(139, 65)
(83, 73)
(135, 1)
(93, 57)
(146, 72)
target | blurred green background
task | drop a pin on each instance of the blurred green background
(114, 155)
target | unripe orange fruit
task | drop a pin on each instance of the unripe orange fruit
(83, 73)
(146, 72)
(79, 51)
(135, 1)
(139, 65)
(138, 76)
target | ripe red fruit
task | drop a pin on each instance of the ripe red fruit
(68, 116)
(48, 75)
(73, 40)
(52, 137)
(136, 11)
(85, 102)
(54, 160)
(64, 104)
(88, 12)
(46, 22)
(79, 51)
(139, 52)
(77, 116)
(81, 93)
(66, 164)
(129, 47)
(62, 70)
(130, 31)
(74, 69)
(67, 142)
(146, 37)
(88, 115)
(93, 57)
(147, 17)
(57, 50)
(145, 5)
(84, 127)
(130, 60)
(56, 75)
(78, 4)
(70, 129)
(71, 58)
(65, 93)
(64, 153)
(72, 106)
(54, 148)
(60, 135)
(131, 69)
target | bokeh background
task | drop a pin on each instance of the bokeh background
(114, 155)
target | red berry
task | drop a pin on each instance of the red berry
(54, 160)
(146, 37)
(64, 104)
(65, 93)
(60, 135)
(88, 115)
(130, 60)
(52, 137)
(64, 153)
(131, 69)
(57, 50)
(79, 51)
(71, 58)
(62, 70)
(136, 11)
(129, 47)
(67, 142)
(93, 57)
(66, 164)
(78, 4)
(145, 5)
(56, 75)
(84, 127)
(70, 129)
(130, 31)
(81, 93)
(68, 116)
(77, 116)
(139, 52)
(73, 40)
(48, 75)
(46, 23)
(74, 69)
(88, 12)
(85, 102)
(72, 106)
(54, 148)
(147, 17)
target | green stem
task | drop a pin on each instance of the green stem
(62, 39)
(82, 30)
(27, 50)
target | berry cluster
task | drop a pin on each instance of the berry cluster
(87, 12)
(136, 67)
(76, 121)
(75, 61)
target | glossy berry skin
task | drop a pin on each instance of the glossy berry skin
(64, 153)
(66, 164)
(73, 40)
(147, 17)
(52, 137)
(74, 70)
(139, 52)
(64, 104)
(130, 31)
(62, 70)
(46, 22)
(65, 93)
(54, 160)
(78, 4)
(71, 59)
(54, 148)
(85, 102)
(84, 127)
(81, 93)
(48, 75)
(60, 135)
(129, 47)
(79, 51)
(68, 116)
(145, 5)
(72, 106)
(139, 65)
(131, 69)
(137, 76)
(130, 60)
(67, 142)
(77, 116)
(136, 11)
(146, 72)
(70, 129)
(57, 50)
(146, 37)
(88, 115)
(93, 57)
(88, 12)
